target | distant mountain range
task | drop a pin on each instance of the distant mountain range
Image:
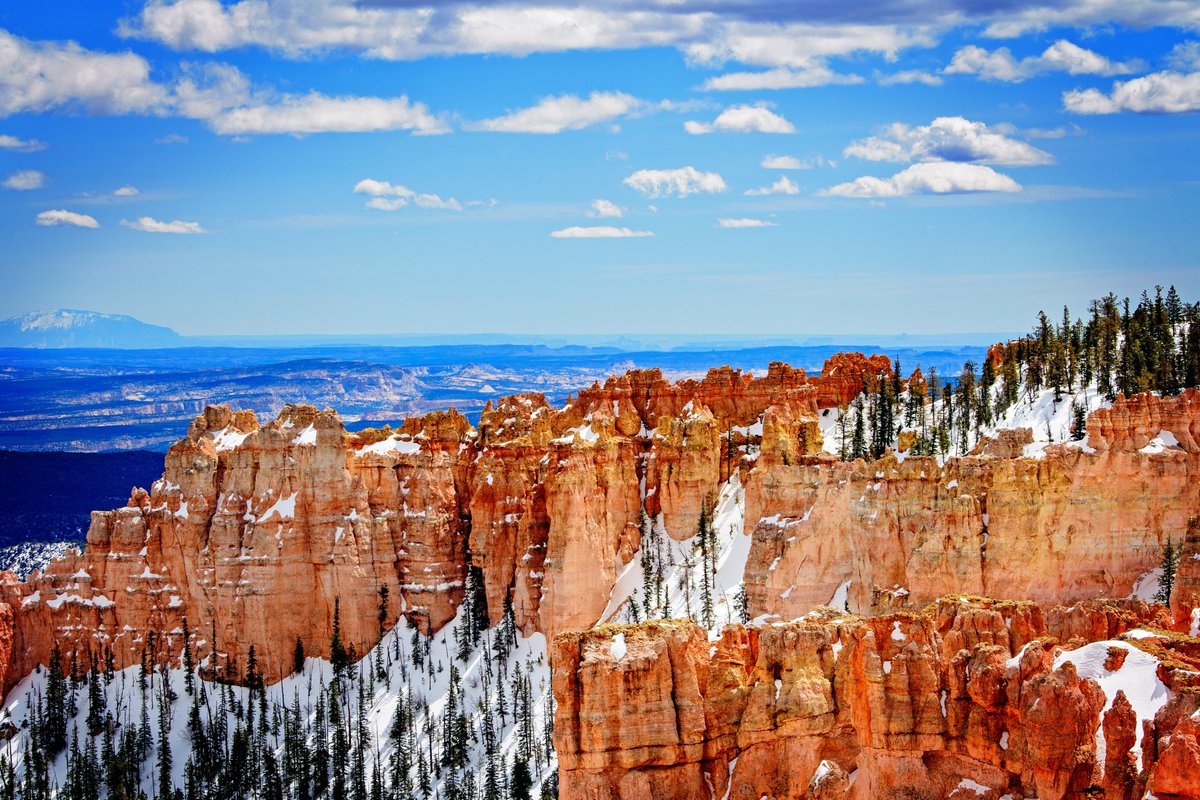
(69, 328)
(64, 327)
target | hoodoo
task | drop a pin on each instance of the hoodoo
(735, 604)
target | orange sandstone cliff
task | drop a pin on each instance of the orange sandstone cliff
(966, 699)
(256, 531)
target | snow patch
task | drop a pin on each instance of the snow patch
(618, 647)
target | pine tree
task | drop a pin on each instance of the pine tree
(338, 657)
(522, 782)
(189, 665)
(96, 700)
(1079, 421)
(858, 443)
(1166, 581)
(54, 725)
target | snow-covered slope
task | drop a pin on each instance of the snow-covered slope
(496, 703)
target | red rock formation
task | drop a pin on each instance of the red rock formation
(961, 700)
(846, 374)
(1072, 524)
(255, 530)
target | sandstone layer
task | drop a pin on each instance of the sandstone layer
(966, 699)
(256, 532)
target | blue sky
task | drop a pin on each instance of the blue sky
(730, 166)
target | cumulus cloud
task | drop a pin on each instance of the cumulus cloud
(1159, 93)
(126, 191)
(745, 222)
(800, 45)
(25, 179)
(935, 177)
(778, 78)
(563, 112)
(1062, 56)
(1036, 15)
(743, 119)
(675, 182)
(784, 185)
(61, 216)
(152, 225)
(791, 162)
(318, 113)
(407, 31)
(605, 209)
(598, 232)
(909, 76)
(40, 76)
(947, 139)
(20, 145)
(387, 196)
(758, 33)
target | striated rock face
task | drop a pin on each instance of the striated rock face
(252, 534)
(966, 699)
(904, 530)
(257, 531)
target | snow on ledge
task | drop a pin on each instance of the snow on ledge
(618, 647)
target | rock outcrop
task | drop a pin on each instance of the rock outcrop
(1074, 522)
(968, 698)
(257, 532)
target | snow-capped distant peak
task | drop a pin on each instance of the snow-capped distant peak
(64, 319)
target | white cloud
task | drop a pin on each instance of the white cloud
(1013, 21)
(1062, 56)
(745, 222)
(717, 33)
(60, 216)
(909, 76)
(564, 112)
(25, 179)
(152, 225)
(947, 139)
(598, 232)
(206, 91)
(436, 201)
(935, 177)
(387, 196)
(1159, 93)
(784, 185)
(318, 113)
(604, 209)
(743, 119)
(778, 78)
(791, 162)
(305, 27)
(374, 188)
(387, 203)
(20, 145)
(126, 191)
(800, 45)
(172, 138)
(1185, 56)
(678, 182)
(40, 76)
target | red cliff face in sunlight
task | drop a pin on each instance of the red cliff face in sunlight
(968, 698)
(256, 531)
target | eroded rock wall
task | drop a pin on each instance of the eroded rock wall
(969, 698)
